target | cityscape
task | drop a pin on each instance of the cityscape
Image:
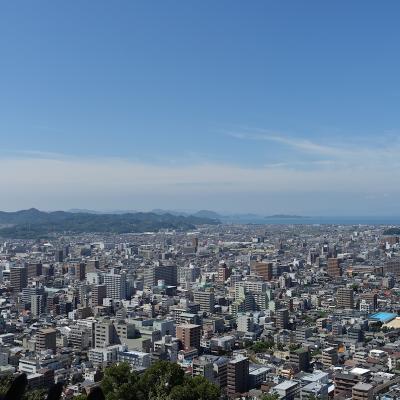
(286, 311)
(199, 200)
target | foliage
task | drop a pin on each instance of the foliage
(5, 384)
(270, 396)
(162, 381)
(392, 231)
(261, 347)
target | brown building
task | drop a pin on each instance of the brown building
(334, 269)
(392, 266)
(238, 376)
(189, 335)
(46, 339)
(99, 292)
(223, 273)
(372, 299)
(344, 384)
(345, 298)
(263, 269)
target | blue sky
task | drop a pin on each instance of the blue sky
(259, 106)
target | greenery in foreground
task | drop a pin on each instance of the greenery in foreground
(162, 381)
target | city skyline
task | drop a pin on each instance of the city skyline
(265, 108)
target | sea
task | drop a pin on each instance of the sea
(332, 220)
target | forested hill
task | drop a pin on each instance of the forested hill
(33, 223)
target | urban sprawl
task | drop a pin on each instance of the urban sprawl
(261, 311)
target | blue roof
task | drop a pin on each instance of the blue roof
(382, 316)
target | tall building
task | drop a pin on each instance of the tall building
(206, 299)
(34, 269)
(46, 339)
(334, 269)
(116, 285)
(238, 376)
(223, 273)
(99, 292)
(166, 273)
(345, 298)
(18, 278)
(189, 335)
(263, 269)
(282, 318)
(301, 358)
(38, 304)
(105, 334)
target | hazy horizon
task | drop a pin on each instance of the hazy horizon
(264, 107)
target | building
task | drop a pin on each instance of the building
(264, 270)
(392, 266)
(38, 304)
(203, 367)
(99, 292)
(46, 339)
(329, 357)
(167, 273)
(287, 390)
(105, 334)
(282, 318)
(362, 391)
(116, 285)
(334, 269)
(238, 376)
(345, 298)
(223, 273)
(206, 299)
(18, 278)
(301, 358)
(189, 335)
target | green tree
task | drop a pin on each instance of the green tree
(270, 396)
(197, 388)
(120, 383)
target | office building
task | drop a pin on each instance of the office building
(99, 292)
(166, 273)
(18, 278)
(263, 270)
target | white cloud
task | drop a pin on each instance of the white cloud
(100, 183)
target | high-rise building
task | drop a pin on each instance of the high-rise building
(238, 376)
(116, 285)
(334, 269)
(345, 298)
(46, 339)
(166, 273)
(38, 304)
(34, 269)
(301, 358)
(282, 318)
(206, 299)
(18, 278)
(99, 292)
(105, 334)
(264, 270)
(189, 335)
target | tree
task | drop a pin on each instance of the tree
(197, 388)
(119, 383)
(270, 396)
(158, 380)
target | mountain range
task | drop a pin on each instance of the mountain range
(34, 223)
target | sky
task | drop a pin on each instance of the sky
(262, 106)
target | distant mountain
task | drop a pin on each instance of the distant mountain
(207, 214)
(160, 211)
(33, 223)
(283, 216)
